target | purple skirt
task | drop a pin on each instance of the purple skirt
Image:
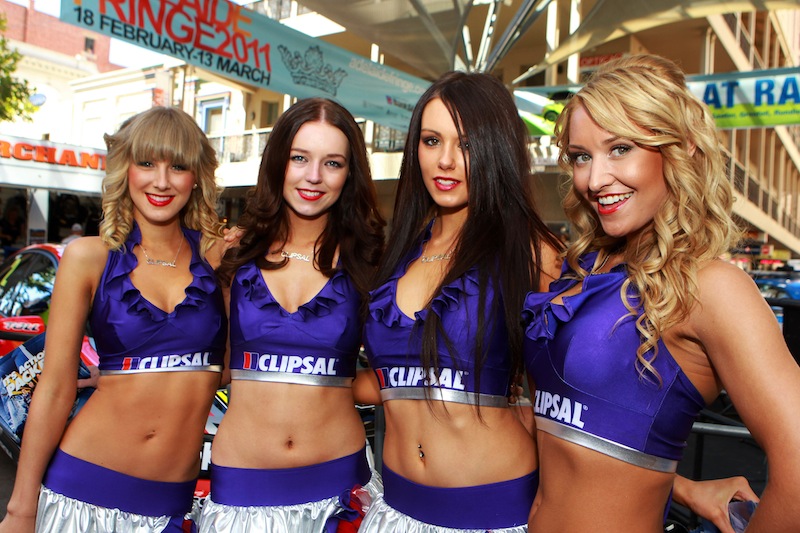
(506, 504)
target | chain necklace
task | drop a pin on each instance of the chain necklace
(161, 262)
(438, 257)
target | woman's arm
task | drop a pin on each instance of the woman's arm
(366, 390)
(747, 351)
(55, 391)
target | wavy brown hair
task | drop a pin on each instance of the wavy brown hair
(160, 134)
(354, 225)
(644, 98)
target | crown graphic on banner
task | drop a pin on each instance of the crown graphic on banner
(311, 70)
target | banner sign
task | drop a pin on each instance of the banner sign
(751, 99)
(754, 99)
(240, 44)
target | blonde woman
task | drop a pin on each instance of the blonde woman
(146, 285)
(645, 326)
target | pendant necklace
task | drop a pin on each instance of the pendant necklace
(161, 262)
(438, 257)
(295, 255)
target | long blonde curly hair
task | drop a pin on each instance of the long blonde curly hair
(160, 134)
(644, 98)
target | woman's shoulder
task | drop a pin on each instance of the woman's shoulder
(85, 256)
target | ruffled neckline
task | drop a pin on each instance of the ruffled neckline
(120, 287)
(334, 292)
(383, 303)
(540, 315)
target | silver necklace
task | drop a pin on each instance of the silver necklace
(438, 257)
(599, 267)
(161, 262)
(295, 255)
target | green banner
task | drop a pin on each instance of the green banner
(751, 99)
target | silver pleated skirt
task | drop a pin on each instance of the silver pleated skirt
(59, 513)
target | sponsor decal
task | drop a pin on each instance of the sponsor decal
(293, 364)
(559, 408)
(197, 359)
(417, 376)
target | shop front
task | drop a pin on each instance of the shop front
(46, 188)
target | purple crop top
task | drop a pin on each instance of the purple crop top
(588, 388)
(392, 341)
(316, 345)
(132, 335)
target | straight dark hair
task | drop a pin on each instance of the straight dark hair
(354, 224)
(502, 234)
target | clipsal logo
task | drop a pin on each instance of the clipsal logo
(559, 407)
(33, 327)
(197, 359)
(416, 376)
(294, 364)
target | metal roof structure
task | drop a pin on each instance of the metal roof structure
(434, 36)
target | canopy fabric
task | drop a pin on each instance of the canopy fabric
(423, 33)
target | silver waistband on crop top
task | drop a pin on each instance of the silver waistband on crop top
(296, 379)
(210, 368)
(445, 395)
(606, 447)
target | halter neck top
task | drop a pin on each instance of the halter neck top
(316, 345)
(393, 343)
(581, 354)
(132, 335)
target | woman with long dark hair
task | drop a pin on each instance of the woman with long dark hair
(442, 335)
(289, 455)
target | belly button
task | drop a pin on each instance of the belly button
(421, 453)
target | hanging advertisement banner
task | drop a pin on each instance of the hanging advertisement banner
(751, 99)
(240, 44)
(755, 99)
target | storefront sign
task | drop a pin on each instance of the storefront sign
(44, 164)
(238, 43)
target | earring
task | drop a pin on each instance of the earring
(194, 186)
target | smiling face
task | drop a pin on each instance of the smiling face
(443, 160)
(159, 190)
(317, 169)
(623, 182)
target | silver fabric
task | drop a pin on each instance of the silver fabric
(288, 377)
(210, 368)
(606, 447)
(300, 518)
(382, 518)
(445, 395)
(58, 513)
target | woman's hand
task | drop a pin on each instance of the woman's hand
(231, 237)
(709, 499)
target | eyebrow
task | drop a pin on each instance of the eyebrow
(304, 151)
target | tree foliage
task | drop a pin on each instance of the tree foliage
(14, 93)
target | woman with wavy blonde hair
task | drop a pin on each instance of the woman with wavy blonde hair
(129, 460)
(644, 327)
